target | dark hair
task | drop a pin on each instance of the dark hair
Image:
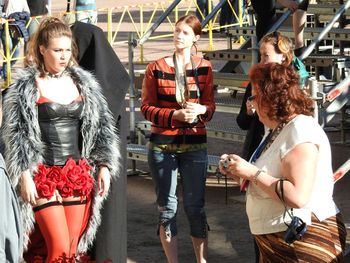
(282, 45)
(277, 89)
(49, 28)
(193, 22)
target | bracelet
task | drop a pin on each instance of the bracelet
(256, 175)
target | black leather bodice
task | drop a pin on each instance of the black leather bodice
(60, 131)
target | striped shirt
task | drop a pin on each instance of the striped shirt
(159, 102)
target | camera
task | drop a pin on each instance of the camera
(226, 163)
(296, 230)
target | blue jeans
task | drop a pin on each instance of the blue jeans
(203, 6)
(12, 43)
(87, 17)
(33, 26)
(192, 167)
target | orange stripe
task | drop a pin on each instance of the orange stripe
(323, 242)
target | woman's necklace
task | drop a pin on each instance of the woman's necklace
(266, 143)
(273, 134)
(181, 89)
(50, 75)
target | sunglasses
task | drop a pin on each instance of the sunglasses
(251, 98)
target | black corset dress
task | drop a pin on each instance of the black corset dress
(60, 130)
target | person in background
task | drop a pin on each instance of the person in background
(49, 5)
(37, 8)
(96, 55)
(18, 12)
(266, 16)
(289, 179)
(86, 11)
(202, 9)
(61, 145)
(178, 98)
(11, 231)
(226, 15)
(276, 48)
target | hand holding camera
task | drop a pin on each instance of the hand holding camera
(224, 164)
(235, 166)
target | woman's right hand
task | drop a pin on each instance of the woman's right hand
(290, 4)
(28, 189)
(224, 167)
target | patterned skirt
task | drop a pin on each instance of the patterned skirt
(323, 242)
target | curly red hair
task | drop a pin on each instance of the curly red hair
(277, 90)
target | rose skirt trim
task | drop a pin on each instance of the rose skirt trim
(73, 179)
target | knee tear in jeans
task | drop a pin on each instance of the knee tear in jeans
(166, 227)
(167, 232)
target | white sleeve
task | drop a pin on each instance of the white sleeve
(304, 130)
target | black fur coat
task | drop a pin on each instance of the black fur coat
(24, 147)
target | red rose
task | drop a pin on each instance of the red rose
(84, 165)
(74, 174)
(84, 184)
(66, 190)
(40, 174)
(70, 164)
(46, 189)
(42, 169)
(55, 174)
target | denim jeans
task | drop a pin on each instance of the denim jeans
(12, 44)
(226, 15)
(203, 6)
(192, 167)
(87, 17)
(33, 26)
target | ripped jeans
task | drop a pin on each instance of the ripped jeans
(192, 167)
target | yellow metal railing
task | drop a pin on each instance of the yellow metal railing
(184, 7)
(140, 17)
(7, 57)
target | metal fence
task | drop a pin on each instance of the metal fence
(119, 20)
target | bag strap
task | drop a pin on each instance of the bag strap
(281, 197)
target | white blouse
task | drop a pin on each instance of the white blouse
(266, 214)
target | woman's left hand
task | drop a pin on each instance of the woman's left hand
(196, 108)
(104, 181)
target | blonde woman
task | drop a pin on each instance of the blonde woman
(61, 144)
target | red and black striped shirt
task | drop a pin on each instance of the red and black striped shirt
(159, 101)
